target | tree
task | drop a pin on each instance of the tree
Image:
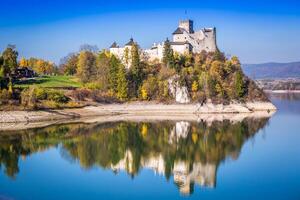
(216, 70)
(88, 47)
(126, 56)
(70, 65)
(149, 88)
(168, 56)
(38, 65)
(23, 62)
(239, 84)
(218, 55)
(136, 69)
(211, 87)
(43, 67)
(114, 64)
(179, 61)
(195, 86)
(9, 64)
(235, 61)
(3, 82)
(102, 70)
(86, 66)
(122, 85)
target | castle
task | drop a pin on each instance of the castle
(185, 40)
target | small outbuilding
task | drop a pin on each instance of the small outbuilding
(24, 72)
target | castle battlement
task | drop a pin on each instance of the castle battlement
(184, 40)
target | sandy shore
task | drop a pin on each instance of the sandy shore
(208, 118)
(134, 111)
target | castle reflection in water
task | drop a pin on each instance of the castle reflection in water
(187, 153)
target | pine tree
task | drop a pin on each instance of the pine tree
(122, 85)
(113, 73)
(136, 69)
(218, 55)
(126, 56)
(103, 70)
(2, 75)
(239, 84)
(168, 55)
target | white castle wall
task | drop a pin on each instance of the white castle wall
(181, 49)
(155, 53)
(181, 37)
(119, 52)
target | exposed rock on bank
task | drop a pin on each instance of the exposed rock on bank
(180, 93)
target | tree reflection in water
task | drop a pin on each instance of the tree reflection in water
(189, 151)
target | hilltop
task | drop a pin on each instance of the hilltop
(272, 70)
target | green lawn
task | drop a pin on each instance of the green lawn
(49, 82)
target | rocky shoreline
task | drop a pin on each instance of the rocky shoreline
(136, 110)
(281, 91)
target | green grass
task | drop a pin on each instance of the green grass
(49, 82)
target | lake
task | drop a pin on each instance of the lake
(255, 158)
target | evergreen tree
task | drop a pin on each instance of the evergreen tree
(113, 73)
(126, 56)
(239, 84)
(136, 69)
(3, 83)
(211, 87)
(103, 70)
(168, 55)
(122, 85)
(218, 55)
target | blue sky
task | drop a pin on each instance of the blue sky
(256, 31)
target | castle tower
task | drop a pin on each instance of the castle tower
(188, 25)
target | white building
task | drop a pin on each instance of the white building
(184, 40)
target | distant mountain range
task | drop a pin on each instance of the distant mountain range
(272, 70)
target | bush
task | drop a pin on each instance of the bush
(149, 88)
(41, 93)
(50, 104)
(166, 73)
(5, 96)
(80, 94)
(57, 96)
(94, 86)
(31, 96)
(28, 98)
(103, 97)
(72, 104)
(199, 97)
(163, 90)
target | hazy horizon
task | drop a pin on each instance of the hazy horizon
(257, 32)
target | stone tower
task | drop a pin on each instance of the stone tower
(187, 25)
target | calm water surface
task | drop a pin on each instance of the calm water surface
(252, 159)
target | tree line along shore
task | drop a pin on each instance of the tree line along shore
(91, 77)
